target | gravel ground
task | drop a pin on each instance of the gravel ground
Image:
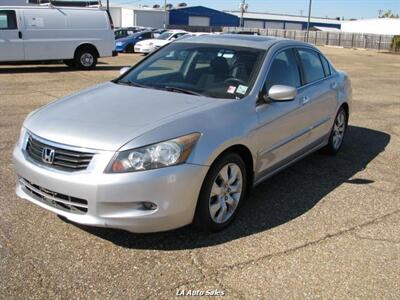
(328, 227)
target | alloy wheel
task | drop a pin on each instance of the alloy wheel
(339, 129)
(226, 192)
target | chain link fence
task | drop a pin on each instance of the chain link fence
(322, 38)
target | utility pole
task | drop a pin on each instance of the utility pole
(165, 14)
(243, 8)
(309, 18)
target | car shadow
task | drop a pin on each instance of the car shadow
(276, 201)
(53, 68)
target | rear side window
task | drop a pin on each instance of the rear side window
(8, 20)
(326, 65)
(284, 70)
(312, 66)
(178, 35)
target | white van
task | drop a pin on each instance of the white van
(78, 36)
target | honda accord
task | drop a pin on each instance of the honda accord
(182, 137)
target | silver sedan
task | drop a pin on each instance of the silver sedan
(183, 136)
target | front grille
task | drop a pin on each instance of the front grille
(64, 159)
(54, 199)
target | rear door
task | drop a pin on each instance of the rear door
(11, 42)
(317, 94)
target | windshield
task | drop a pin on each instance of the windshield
(209, 70)
(123, 33)
(165, 36)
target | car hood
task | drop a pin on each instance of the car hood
(108, 116)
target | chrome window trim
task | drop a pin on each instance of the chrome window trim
(319, 80)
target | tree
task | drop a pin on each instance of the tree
(388, 14)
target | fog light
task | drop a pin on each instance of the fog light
(149, 206)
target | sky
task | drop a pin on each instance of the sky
(320, 8)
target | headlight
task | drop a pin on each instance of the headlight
(160, 155)
(119, 44)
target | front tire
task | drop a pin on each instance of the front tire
(130, 48)
(337, 133)
(86, 59)
(223, 191)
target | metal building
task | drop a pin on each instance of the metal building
(201, 16)
(386, 26)
(278, 21)
(127, 16)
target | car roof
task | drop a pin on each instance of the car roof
(239, 40)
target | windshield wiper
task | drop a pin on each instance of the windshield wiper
(181, 90)
(131, 83)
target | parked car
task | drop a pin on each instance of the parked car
(181, 139)
(124, 32)
(128, 43)
(153, 44)
(79, 36)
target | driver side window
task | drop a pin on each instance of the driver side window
(8, 20)
(284, 70)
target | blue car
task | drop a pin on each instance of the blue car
(127, 44)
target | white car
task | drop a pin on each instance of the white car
(167, 37)
(79, 36)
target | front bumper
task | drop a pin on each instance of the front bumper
(143, 49)
(119, 49)
(112, 199)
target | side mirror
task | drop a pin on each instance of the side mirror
(124, 70)
(282, 93)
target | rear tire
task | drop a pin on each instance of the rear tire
(338, 133)
(86, 59)
(222, 193)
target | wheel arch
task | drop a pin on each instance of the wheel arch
(346, 107)
(245, 153)
(87, 46)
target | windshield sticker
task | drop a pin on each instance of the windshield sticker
(231, 89)
(242, 89)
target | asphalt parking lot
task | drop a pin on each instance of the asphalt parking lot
(328, 227)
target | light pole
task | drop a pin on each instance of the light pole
(309, 18)
(243, 7)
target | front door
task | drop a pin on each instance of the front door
(11, 42)
(282, 130)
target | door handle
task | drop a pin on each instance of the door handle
(20, 34)
(305, 100)
(334, 85)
